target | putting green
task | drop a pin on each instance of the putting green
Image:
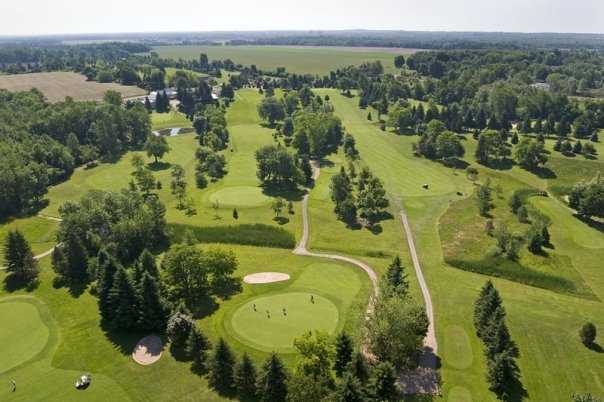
(240, 196)
(277, 332)
(22, 334)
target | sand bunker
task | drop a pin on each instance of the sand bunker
(266, 277)
(148, 350)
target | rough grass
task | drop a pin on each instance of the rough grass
(553, 362)
(299, 60)
(254, 235)
(57, 85)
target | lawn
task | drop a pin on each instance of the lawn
(57, 85)
(299, 60)
(38, 231)
(553, 362)
(246, 137)
(172, 119)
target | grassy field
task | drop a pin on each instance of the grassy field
(300, 60)
(553, 362)
(172, 119)
(57, 85)
(38, 231)
(76, 342)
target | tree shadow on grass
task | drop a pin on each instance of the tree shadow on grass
(599, 226)
(543, 172)
(124, 341)
(289, 191)
(281, 220)
(500, 164)
(227, 288)
(204, 307)
(158, 166)
(76, 289)
(594, 346)
(13, 283)
(455, 163)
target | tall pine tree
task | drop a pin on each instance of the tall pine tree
(196, 348)
(344, 351)
(107, 267)
(124, 300)
(153, 313)
(222, 367)
(272, 382)
(245, 377)
(20, 261)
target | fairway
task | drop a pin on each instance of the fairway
(240, 196)
(262, 323)
(22, 333)
(296, 59)
(57, 85)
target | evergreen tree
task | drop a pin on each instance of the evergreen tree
(272, 386)
(245, 377)
(501, 372)
(235, 214)
(196, 348)
(221, 367)
(19, 258)
(383, 383)
(396, 277)
(153, 314)
(358, 367)
(522, 214)
(76, 258)
(349, 390)
(497, 336)
(578, 147)
(147, 264)
(515, 202)
(107, 268)
(344, 351)
(487, 302)
(124, 299)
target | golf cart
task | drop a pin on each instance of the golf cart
(83, 382)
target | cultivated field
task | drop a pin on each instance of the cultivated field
(57, 85)
(296, 59)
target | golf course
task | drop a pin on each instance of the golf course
(283, 268)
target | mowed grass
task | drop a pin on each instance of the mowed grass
(553, 362)
(341, 293)
(254, 207)
(172, 119)
(57, 85)
(273, 322)
(45, 368)
(296, 59)
(38, 231)
(23, 331)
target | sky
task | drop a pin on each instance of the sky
(35, 17)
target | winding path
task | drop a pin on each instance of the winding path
(302, 250)
(423, 380)
(47, 252)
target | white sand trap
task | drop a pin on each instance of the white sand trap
(266, 277)
(148, 350)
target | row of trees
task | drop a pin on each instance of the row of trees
(500, 350)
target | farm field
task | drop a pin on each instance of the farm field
(543, 323)
(296, 59)
(57, 85)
